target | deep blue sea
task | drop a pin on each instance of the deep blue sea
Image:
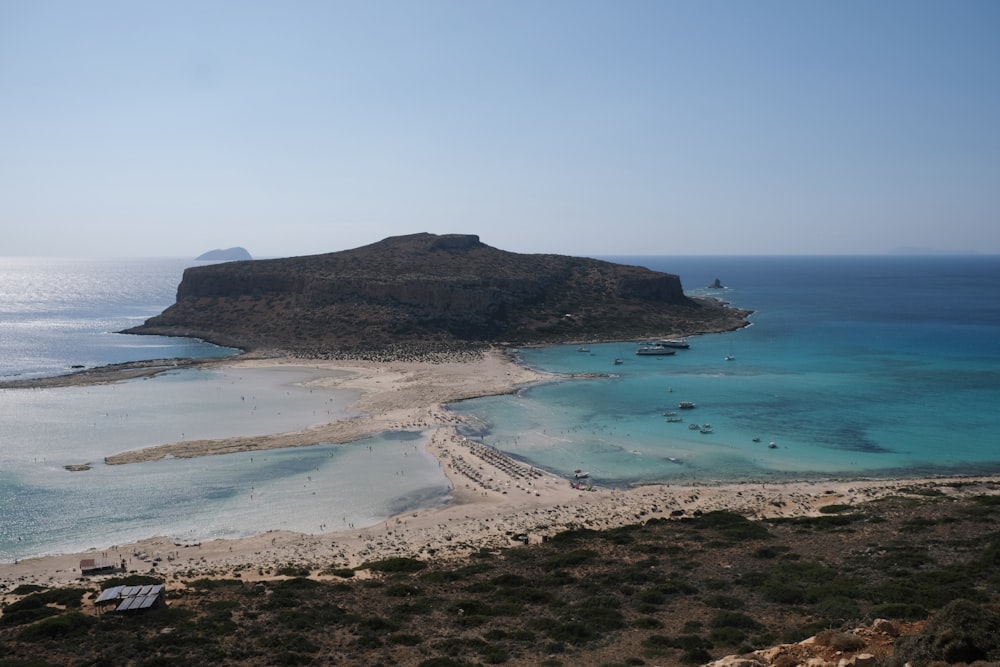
(853, 366)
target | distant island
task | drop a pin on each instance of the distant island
(227, 255)
(426, 293)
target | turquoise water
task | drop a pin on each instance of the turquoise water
(863, 366)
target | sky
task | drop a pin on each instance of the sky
(620, 127)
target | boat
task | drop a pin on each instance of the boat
(674, 420)
(655, 349)
(674, 459)
(772, 445)
(619, 361)
(581, 475)
(686, 405)
(694, 427)
(679, 343)
(729, 357)
(583, 349)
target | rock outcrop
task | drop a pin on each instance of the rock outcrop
(861, 647)
(431, 291)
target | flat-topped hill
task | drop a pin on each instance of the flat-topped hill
(429, 291)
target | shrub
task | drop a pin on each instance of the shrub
(725, 602)
(342, 572)
(727, 636)
(442, 662)
(56, 627)
(402, 590)
(398, 564)
(840, 641)
(573, 632)
(696, 656)
(835, 509)
(900, 610)
(769, 552)
(838, 607)
(26, 615)
(25, 589)
(293, 571)
(571, 558)
(962, 631)
(733, 619)
(131, 580)
(732, 526)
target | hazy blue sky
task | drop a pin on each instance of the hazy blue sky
(573, 127)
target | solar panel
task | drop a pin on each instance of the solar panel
(133, 597)
(109, 594)
(146, 602)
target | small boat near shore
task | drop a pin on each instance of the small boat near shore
(677, 343)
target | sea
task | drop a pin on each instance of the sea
(862, 366)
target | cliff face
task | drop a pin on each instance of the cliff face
(429, 290)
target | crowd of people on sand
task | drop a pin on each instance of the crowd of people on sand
(438, 354)
(512, 468)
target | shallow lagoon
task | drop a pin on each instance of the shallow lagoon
(48, 509)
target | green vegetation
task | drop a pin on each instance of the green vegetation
(664, 592)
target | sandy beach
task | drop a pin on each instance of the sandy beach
(497, 502)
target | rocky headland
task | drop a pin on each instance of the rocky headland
(429, 293)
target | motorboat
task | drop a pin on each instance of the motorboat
(678, 343)
(686, 405)
(654, 350)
